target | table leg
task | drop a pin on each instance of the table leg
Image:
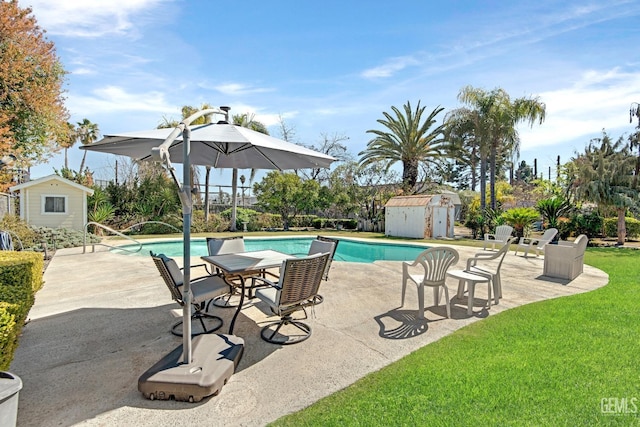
(235, 315)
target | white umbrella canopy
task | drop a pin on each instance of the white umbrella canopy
(219, 145)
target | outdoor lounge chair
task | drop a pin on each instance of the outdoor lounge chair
(566, 259)
(500, 237)
(295, 290)
(435, 262)
(536, 245)
(203, 290)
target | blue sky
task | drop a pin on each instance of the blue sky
(333, 67)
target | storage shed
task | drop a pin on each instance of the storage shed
(420, 217)
(53, 202)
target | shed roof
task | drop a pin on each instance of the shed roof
(400, 201)
(50, 178)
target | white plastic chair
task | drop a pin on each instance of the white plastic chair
(488, 264)
(536, 245)
(435, 263)
(502, 234)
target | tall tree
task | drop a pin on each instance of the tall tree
(407, 139)
(332, 145)
(463, 143)
(248, 121)
(603, 174)
(87, 132)
(286, 194)
(68, 141)
(32, 113)
(498, 117)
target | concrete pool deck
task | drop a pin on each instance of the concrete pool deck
(102, 319)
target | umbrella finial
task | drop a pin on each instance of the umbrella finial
(226, 112)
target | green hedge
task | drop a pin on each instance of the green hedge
(611, 227)
(20, 279)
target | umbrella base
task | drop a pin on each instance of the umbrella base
(214, 360)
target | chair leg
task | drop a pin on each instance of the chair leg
(497, 286)
(446, 301)
(269, 335)
(420, 301)
(201, 319)
(404, 289)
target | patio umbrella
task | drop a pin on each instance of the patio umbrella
(220, 145)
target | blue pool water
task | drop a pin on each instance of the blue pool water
(348, 250)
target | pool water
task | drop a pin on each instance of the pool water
(348, 250)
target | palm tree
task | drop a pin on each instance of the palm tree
(498, 117)
(463, 143)
(68, 141)
(407, 139)
(604, 175)
(87, 133)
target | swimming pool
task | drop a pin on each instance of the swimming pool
(348, 250)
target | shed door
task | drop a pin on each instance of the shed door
(439, 222)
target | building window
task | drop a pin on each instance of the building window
(54, 204)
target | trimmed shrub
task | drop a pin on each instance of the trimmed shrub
(20, 279)
(611, 227)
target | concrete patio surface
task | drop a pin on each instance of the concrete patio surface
(103, 319)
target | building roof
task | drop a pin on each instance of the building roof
(401, 201)
(51, 178)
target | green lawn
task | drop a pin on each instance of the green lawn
(546, 364)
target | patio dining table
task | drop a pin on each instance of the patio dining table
(242, 262)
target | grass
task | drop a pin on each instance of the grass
(550, 363)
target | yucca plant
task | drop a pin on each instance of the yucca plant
(553, 209)
(520, 219)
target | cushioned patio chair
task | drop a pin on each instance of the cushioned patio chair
(203, 290)
(566, 259)
(222, 246)
(500, 237)
(295, 290)
(323, 245)
(529, 244)
(434, 262)
(316, 247)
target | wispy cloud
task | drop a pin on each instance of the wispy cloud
(390, 67)
(81, 18)
(233, 89)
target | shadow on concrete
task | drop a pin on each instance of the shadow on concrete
(68, 349)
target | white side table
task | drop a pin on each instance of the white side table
(470, 278)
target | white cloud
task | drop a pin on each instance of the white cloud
(599, 99)
(113, 99)
(390, 67)
(81, 18)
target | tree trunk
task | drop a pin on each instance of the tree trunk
(622, 226)
(409, 176)
(492, 176)
(207, 174)
(483, 183)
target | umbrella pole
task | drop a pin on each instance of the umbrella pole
(185, 197)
